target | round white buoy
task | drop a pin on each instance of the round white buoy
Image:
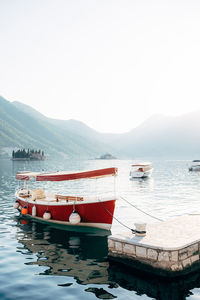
(47, 215)
(16, 205)
(74, 218)
(34, 212)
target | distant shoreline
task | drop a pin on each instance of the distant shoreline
(26, 159)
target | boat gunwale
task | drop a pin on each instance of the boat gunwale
(54, 202)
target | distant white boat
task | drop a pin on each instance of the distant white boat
(141, 170)
(195, 165)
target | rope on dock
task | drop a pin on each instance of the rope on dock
(141, 210)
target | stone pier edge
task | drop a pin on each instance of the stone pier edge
(157, 258)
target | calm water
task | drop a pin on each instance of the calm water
(41, 262)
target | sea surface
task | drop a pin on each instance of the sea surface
(38, 261)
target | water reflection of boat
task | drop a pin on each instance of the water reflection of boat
(64, 253)
(93, 211)
(83, 257)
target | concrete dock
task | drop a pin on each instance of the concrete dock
(170, 248)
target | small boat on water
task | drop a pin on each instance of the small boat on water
(91, 211)
(141, 170)
(195, 165)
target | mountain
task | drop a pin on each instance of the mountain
(74, 126)
(164, 136)
(23, 127)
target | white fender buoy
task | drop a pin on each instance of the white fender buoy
(47, 215)
(16, 205)
(74, 218)
(34, 211)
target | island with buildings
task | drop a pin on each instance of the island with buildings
(22, 154)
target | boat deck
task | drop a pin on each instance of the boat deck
(41, 196)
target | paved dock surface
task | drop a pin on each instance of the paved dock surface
(172, 246)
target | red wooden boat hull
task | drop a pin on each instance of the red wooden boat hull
(94, 214)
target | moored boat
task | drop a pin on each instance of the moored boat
(89, 211)
(195, 165)
(141, 170)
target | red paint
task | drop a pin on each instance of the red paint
(22, 177)
(60, 176)
(78, 175)
(89, 212)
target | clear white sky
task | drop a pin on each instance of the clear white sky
(108, 63)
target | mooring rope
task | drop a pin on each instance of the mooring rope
(141, 210)
(133, 230)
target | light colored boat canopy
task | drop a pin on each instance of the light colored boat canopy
(26, 175)
(142, 164)
(61, 176)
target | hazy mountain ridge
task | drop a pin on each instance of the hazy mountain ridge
(71, 125)
(23, 126)
(78, 131)
(165, 136)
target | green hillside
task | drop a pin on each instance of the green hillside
(23, 127)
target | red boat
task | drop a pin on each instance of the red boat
(93, 211)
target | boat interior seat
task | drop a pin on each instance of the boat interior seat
(24, 193)
(68, 198)
(38, 194)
